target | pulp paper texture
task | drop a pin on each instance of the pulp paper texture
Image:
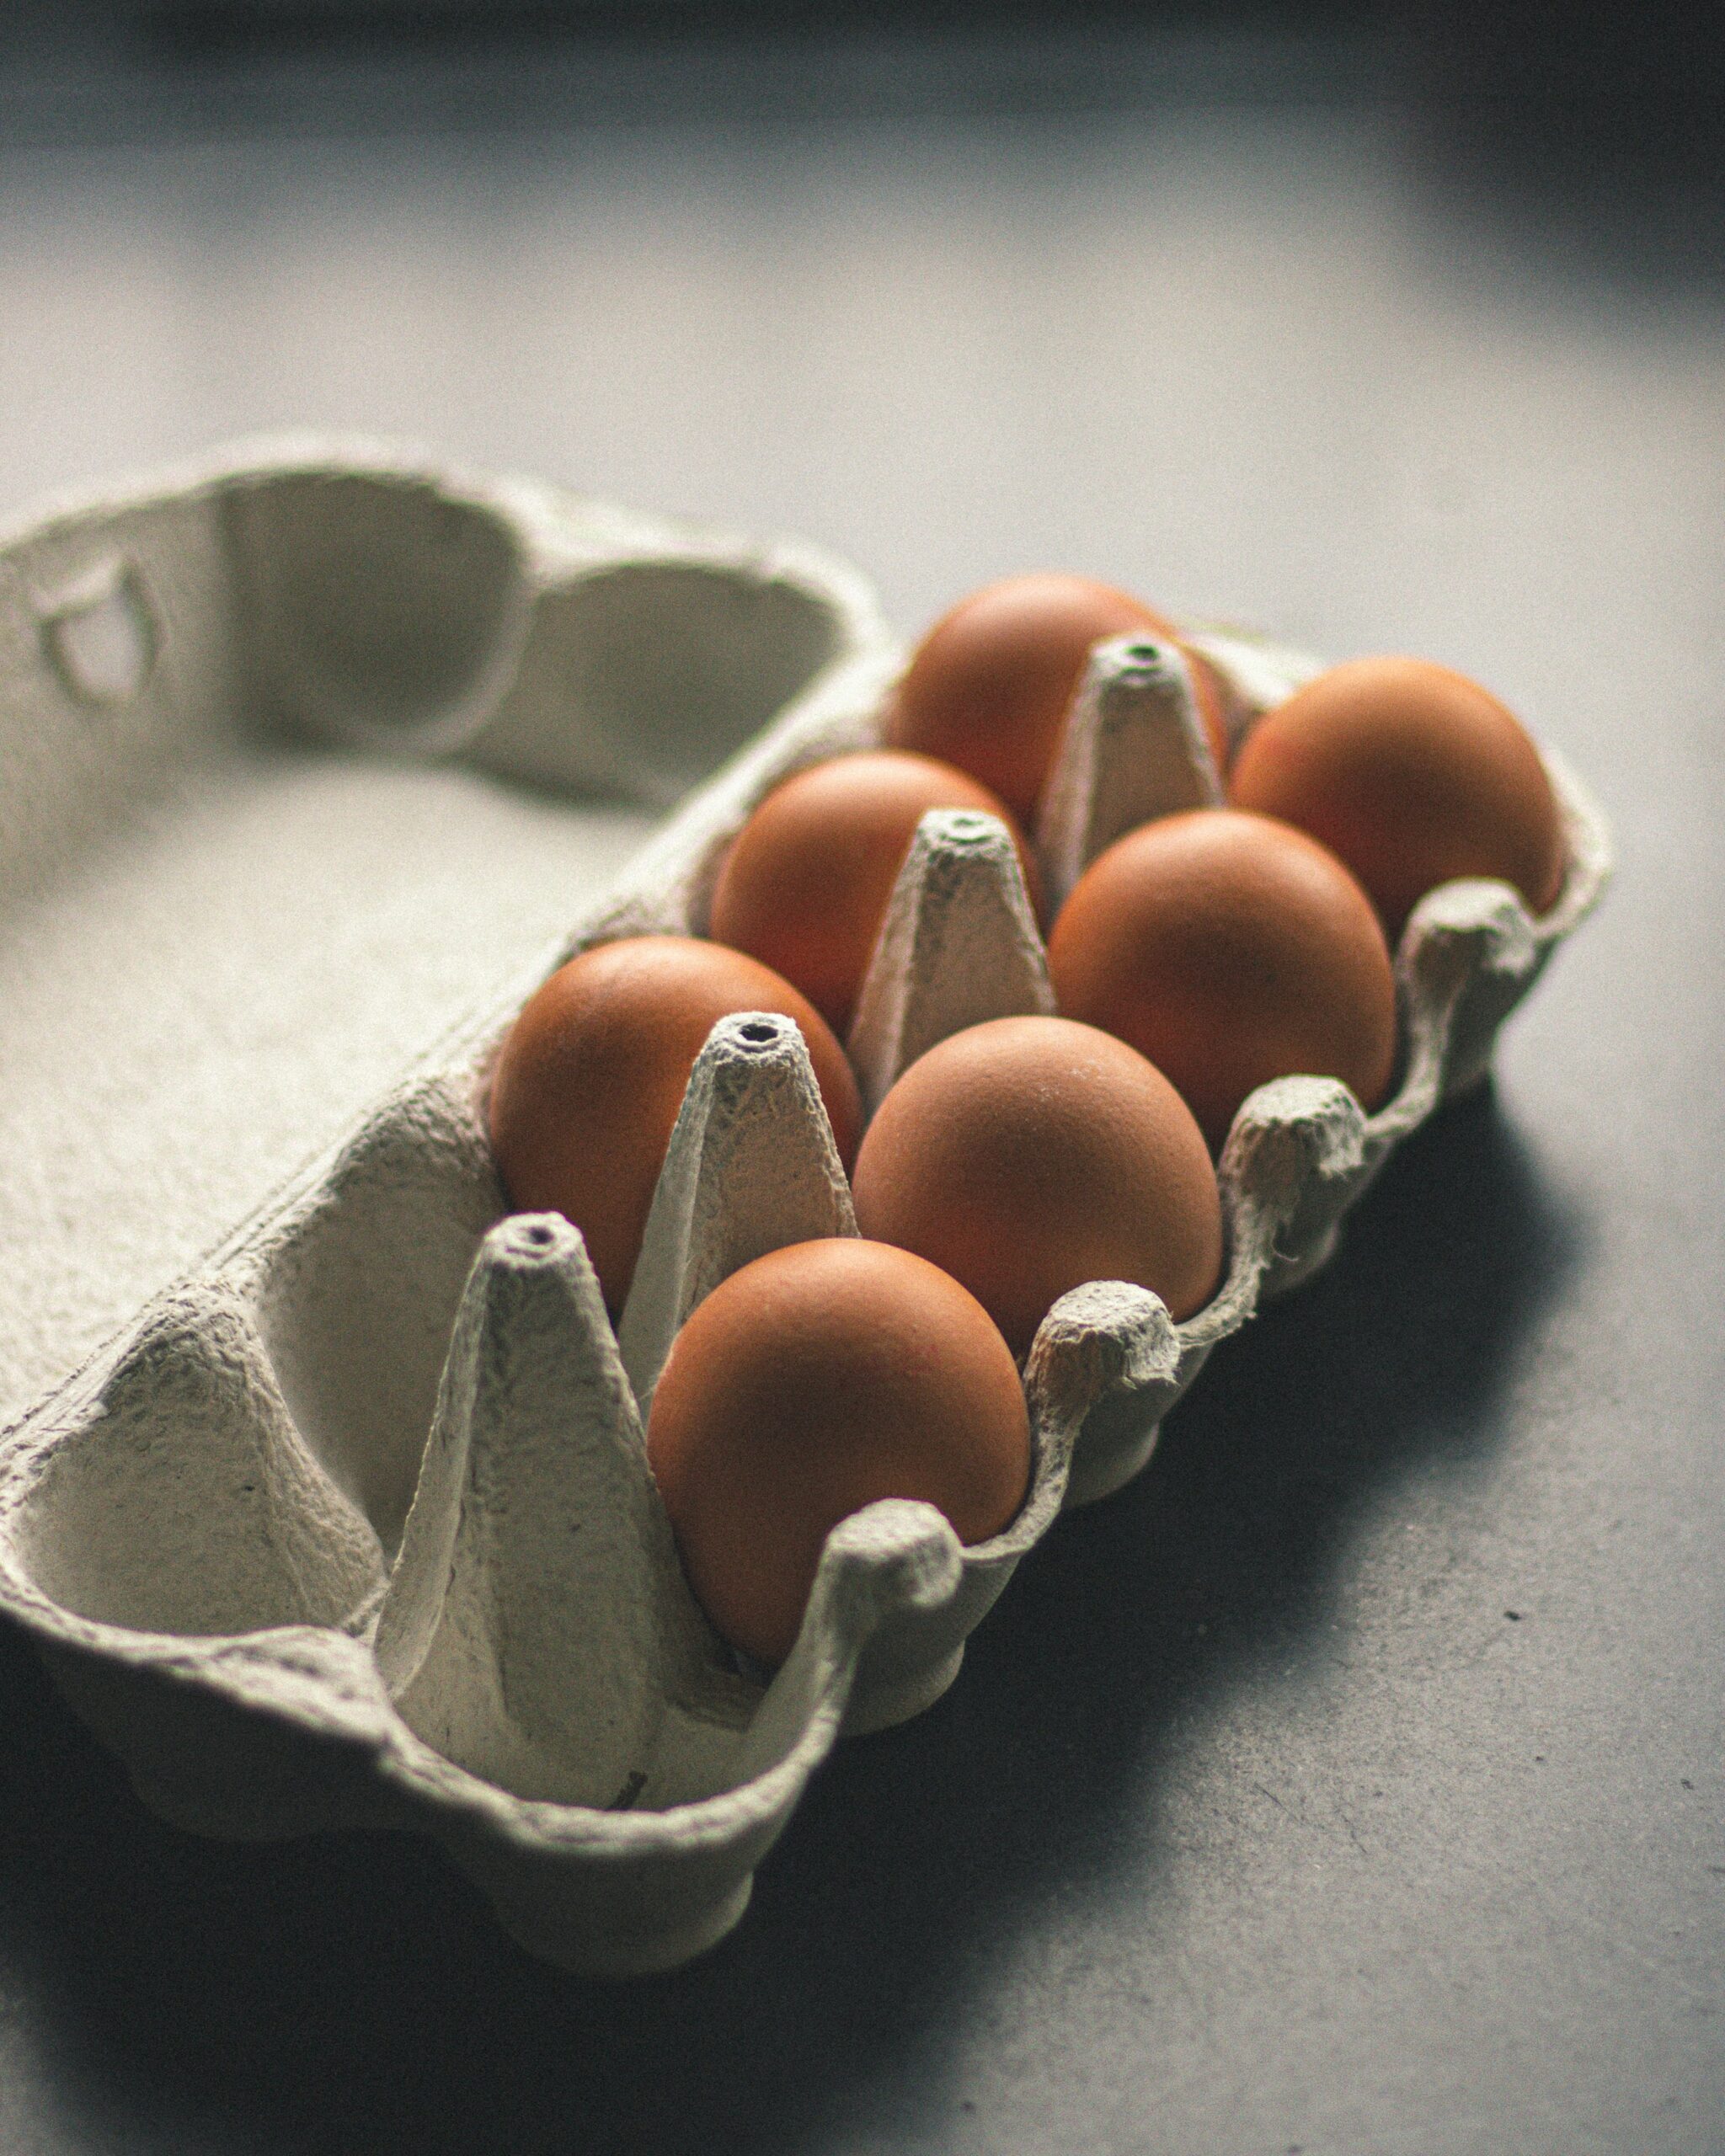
(351, 1525)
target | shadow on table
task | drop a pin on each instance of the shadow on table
(351, 1994)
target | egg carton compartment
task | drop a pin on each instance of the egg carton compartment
(353, 1526)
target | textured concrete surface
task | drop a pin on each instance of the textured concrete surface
(1373, 1797)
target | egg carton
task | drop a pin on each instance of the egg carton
(284, 1603)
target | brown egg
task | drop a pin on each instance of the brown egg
(1230, 949)
(805, 887)
(809, 1385)
(1029, 1155)
(1413, 775)
(988, 687)
(592, 1075)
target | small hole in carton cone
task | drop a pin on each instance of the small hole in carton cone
(759, 1032)
(535, 1234)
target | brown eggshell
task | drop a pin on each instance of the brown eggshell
(1413, 775)
(988, 688)
(1230, 949)
(1029, 1155)
(805, 887)
(592, 1075)
(809, 1385)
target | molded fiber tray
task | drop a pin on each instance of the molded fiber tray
(352, 1526)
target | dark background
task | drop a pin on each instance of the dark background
(1353, 1782)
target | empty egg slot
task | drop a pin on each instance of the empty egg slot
(357, 1289)
(751, 1166)
(958, 946)
(536, 1622)
(1134, 748)
(186, 1502)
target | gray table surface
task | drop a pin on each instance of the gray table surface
(1354, 1781)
